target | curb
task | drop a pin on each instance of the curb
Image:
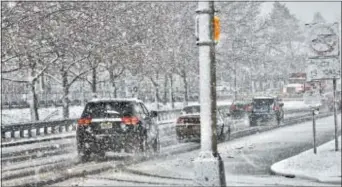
(335, 180)
(331, 180)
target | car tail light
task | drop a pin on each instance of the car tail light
(84, 121)
(249, 108)
(130, 120)
(180, 121)
(233, 107)
(275, 107)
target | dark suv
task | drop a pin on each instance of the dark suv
(266, 109)
(116, 125)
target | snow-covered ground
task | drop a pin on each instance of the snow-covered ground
(324, 166)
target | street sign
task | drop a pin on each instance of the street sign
(323, 40)
(312, 99)
(318, 69)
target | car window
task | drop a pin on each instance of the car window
(107, 109)
(138, 110)
(262, 104)
(191, 110)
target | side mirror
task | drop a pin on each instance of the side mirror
(281, 104)
(153, 114)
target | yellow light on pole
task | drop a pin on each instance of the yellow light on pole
(217, 29)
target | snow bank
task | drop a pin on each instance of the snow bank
(325, 166)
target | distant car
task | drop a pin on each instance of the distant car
(240, 108)
(188, 125)
(266, 109)
(116, 125)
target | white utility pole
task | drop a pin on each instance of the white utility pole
(209, 168)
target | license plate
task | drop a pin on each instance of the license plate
(195, 127)
(107, 125)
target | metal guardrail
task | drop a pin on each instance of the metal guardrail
(65, 125)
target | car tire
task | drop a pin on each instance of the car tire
(156, 146)
(101, 154)
(252, 123)
(275, 120)
(144, 146)
(83, 154)
(180, 139)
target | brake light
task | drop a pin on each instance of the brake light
(84, 121)
(233, 107)
(180, 120)
(275, 107)
(249, 108)
(130, 120)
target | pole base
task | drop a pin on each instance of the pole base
(209, 170)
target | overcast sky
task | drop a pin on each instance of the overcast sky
(304, 11)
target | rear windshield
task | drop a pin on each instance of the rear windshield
(197, 109)
(107, 109)
(191, 110)
(260, 103)
(242, 102)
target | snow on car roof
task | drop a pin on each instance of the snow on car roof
(264, 97)
(219, 103)
(115, 99)
(294, 85)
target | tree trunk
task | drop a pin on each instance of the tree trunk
(156, 92)
(171, 92)
(185, 103)
(34, 103)
(65, 100)
(112, 80)
(93, 81)
(114, 89)
(156, 96)
(165, 90)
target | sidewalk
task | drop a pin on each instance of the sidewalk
(325, 166)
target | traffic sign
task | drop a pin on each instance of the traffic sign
(323, 40)
(318, 69)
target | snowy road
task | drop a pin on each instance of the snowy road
(21, 162)
(247, 161)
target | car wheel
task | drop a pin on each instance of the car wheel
(281, 121)
(252, 123)
(83, 154)
(101, 154)
(156, 145)
(275, 120)
(144, 147)
(180, 139)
